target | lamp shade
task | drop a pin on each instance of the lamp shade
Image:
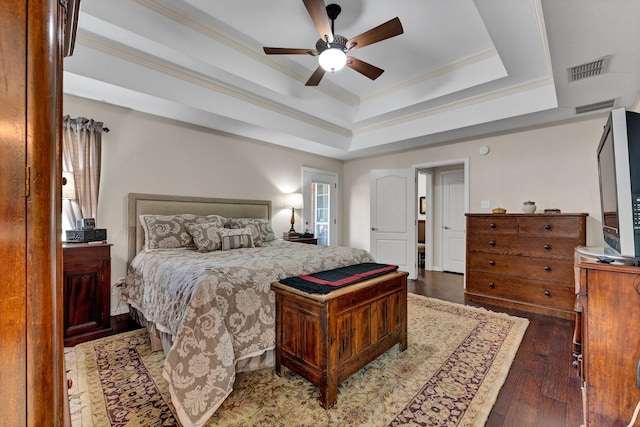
(294, 201)
(68, 185)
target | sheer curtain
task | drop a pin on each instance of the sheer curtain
(81, 155)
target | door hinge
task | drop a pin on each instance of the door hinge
(27, 183)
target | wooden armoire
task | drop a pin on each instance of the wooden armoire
(36, 35)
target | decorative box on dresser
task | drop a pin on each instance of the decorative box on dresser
(86, 281)
(524, 261)
(609, 304)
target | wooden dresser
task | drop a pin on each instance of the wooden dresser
(524, 261)
(86, 281)
(609, 301)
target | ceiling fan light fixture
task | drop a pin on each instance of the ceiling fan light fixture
(332, 59)
(331, 48)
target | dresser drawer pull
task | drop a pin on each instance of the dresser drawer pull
(547, 227)
(492, 242)
(492, 262)
(638, 286)
(547, 293)
(547, 268)
(492, 225)
(492, 285)
(547, 247)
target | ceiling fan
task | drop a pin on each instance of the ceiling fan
(332, 49)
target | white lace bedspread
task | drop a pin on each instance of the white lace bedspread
(219, 308)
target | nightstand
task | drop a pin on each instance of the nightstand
(308, 240)
(86, 283)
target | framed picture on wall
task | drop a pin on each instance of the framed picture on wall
(423, 205)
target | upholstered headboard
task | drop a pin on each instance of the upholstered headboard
(158, 204)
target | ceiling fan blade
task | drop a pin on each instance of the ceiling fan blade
(364, 68)
(288, 51)
(318, 13)
(384, 31)
(315, 78)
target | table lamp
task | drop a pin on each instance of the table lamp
(293, 201)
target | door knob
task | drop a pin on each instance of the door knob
(447, 228)
(374, 229)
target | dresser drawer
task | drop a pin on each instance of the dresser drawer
(557, 270)
(492, 224)
(526, 246)
(529, 291)
(549, 226)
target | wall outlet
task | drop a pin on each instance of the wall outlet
(485, 204)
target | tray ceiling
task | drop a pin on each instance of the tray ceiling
(461, 69)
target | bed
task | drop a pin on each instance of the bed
(212, 311)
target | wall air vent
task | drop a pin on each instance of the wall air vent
(590, 69)
(595, 106)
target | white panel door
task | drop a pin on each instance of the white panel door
(393, 218)
(453, 221)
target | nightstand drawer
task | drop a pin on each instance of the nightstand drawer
(308, 240)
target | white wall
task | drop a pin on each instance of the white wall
(148, 154)
(554, 166)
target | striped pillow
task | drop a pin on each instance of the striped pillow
(262, 232)
(236, 238)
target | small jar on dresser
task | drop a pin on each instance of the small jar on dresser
(86, 284)
(524, 261)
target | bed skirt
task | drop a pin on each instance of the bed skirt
(163, 341)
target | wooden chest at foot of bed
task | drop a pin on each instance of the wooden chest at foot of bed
(327, 338)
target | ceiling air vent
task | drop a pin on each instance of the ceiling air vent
(590, 69)
(595, 106)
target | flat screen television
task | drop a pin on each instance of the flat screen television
(619, 176)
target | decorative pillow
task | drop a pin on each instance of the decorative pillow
(206, 236)
(170, 231)
(165, 231)
(236, 238)
(266, 231)
(263, 227)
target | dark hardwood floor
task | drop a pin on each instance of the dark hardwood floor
(542, 388)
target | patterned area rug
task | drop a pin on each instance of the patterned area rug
(457, 360)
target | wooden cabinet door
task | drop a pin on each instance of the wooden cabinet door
(612, 346)
(83, 290)
(32, 371)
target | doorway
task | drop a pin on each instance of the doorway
(320, 198)
(444, 182)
